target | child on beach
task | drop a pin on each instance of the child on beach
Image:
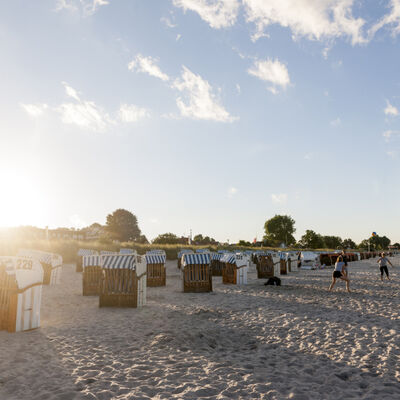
(382, 261)
(338, 273)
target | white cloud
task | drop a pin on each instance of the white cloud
(178, 36)
(336, 122)
(390, 134)
(87, 114)
(392, 18)
(272, 71)
(273, 90)
(313, 19)
(238, 88)
(34, 110)
(232, 191)
(325, 52)
(279, 198)
(86, 7)
(154, 220)
(71, 92)
(391, 110)
(217, 13)
(147, 65)
(83, 113)
(132, 113)
(392, 154)
(308, 156)
(69, 5)
(168, 23)
(200, 102)
(239, 53)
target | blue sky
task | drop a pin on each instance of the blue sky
(199, 114)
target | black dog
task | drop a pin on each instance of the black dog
(274, 281)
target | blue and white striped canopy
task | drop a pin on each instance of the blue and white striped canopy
(104, 252)
(229, 259)
(119, 261)
(216, 256)
(126, 251)
(155, 259)
(223, 251)
(226, 257)
(202, 251)
(86, 252)
(188, 259)
(184, 251)
(91, 261)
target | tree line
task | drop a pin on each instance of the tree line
(280, 229)
(122, 225)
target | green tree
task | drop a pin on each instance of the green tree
(376, 243)
(143, 239)
(244, 243)
(203, 240)
(332, 242)
(198, 239)
(166, 238)
(280, 229)
(385, 242)
(363, 245)
(122, 225)
(311, 240)
(349, 244)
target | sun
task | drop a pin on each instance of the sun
(21, 202)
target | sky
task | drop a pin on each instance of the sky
(202, 115)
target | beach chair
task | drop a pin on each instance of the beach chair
(265, 267)
(92, 275)
(156, 274)
(21, 282)
(216, 265)
(283, 266)
(235, 267)
(123, 283)
(51, 264)
(196, 273)
(81, 254)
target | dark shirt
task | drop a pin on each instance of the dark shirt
(345, 260)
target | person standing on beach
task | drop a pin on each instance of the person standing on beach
(345, 271)
(299, 259)
(338, 273)
(383, 261)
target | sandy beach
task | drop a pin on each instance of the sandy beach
(297, 341)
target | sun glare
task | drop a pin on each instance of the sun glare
(20, 200)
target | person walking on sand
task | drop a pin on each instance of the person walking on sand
(383, 261)
(338, 273)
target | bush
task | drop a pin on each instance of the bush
(68, 249)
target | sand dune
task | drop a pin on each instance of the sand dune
(298, 341)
